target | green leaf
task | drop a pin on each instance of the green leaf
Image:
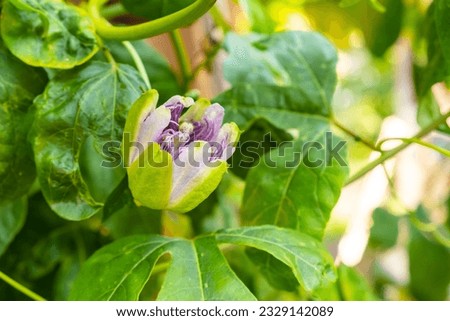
(158, 69)
(287, 81)
(12, 219)
(79, 115)
(258, 16)
(127, 264)
(260, 137)
(277, 274)
(122, 217)
(381, 28)
(353, 286)
(429, 111)
(48, 33)
(120, 270)
(297, 184)
(441, 14)
(47, 253)
(207, 277)
(153, 9)
(350, 286)
(311, 264)
(286, 189)
(289, 71)
(429, 267)
(437, 68)
(19, 84)
(384, 231)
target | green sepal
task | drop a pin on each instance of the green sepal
(198, 187)
(195, 112)
(150, 177)
(140, 109)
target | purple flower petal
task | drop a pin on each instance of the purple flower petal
(208, 127)
(226, 141)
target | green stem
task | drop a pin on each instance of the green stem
(182, 56)
(149, 29)
(387, 155)
(355, 136)
(113, 11)
(419, 142)
(138, 62)
(19, 287)
(109, 57)
(219, 20)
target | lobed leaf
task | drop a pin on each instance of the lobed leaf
(79, 115)
(198, 270)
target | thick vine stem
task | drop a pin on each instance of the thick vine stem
(149, 29)
(391, 153)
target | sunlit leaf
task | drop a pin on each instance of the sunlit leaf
(48, 33)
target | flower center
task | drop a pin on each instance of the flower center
(173, 140)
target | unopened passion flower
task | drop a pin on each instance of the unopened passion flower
(176, 154)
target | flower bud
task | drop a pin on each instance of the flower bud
(175, 160)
